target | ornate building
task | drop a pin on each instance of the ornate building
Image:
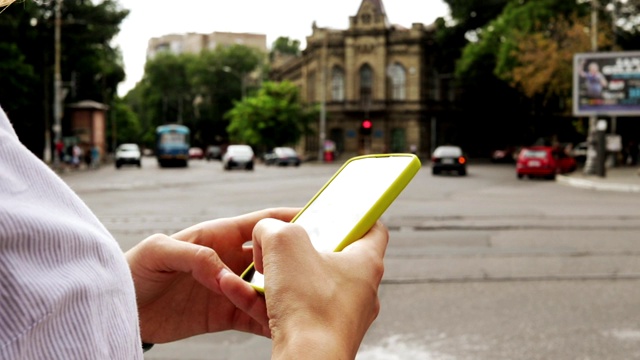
(374, 83)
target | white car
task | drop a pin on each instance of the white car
(128, 154)
(238, 156)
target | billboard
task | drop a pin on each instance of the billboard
(606, 83)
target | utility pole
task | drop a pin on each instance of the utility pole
(323, 99)
(590, 165)
(57, 88)
(242, 76)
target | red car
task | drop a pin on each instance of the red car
(196, 153)
(544, 161)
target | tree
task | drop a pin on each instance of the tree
(285, 46)
(219, 77)
(90, 67)
(274, 117)
(544, 59)
(169, 91)
(128, 128)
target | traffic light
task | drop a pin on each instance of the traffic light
(365, 127)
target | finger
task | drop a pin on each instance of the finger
(375, 240)
(287, 237)
(247, 299)
(236, 230)
(165, 254)
(247, 222)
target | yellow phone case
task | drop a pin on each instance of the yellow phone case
(361, 227)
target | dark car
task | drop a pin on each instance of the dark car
(544, 161)
(282, 156)
(448, 158)
(213, 152)
(128, 154)
(504, 155)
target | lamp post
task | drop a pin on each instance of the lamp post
(601, 129)
(242, 76)
(57, 88)
(590, 166)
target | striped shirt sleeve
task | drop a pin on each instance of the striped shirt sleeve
(65, 288)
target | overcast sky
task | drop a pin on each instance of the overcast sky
(274, 18)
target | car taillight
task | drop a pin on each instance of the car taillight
(433, 159)
(462, 160)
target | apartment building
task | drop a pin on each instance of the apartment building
(196, 42)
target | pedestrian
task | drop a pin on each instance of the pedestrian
(60, 150)
(413, 149)
(633, 152)
(95, 157)
(86, 156)
(76, 153)
(69, 292)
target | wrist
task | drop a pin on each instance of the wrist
(315, 343)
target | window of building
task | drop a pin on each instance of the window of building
(366, 84)
(398, 76)
(311, 87)
(337, 84)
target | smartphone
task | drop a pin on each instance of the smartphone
(350, 203)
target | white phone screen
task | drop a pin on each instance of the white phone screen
(345, 201)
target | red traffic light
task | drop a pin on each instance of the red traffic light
(366, 124)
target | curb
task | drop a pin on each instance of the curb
(596, 185)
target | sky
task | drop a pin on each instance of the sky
(274, 18)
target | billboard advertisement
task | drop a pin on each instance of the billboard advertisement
(606, 83)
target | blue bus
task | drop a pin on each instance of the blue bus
(172, 145)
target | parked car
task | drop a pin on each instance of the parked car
(214, 152)
(238, 156)
(504, 155)
(448, 158)
(544, 161)
(196, 153)
(282, 156)
(128, 154)
(579, 152)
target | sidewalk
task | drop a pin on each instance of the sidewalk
(621, 178)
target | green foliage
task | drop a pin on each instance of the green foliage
(274, 117)
(497, 40)
(195, 90)
(286, 46)
(90, 67)
(128, 128)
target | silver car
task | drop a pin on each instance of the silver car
(238, 156)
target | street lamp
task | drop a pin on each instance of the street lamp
(241, 76)
(57, 88)
(601, 129)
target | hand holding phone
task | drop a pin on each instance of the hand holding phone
(350, 203)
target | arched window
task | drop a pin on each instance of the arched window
(398, 76)
(337, 84)
(366, 84)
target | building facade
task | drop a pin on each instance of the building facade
(374, 81)
(194, 42)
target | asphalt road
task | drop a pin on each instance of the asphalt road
(478, 267)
